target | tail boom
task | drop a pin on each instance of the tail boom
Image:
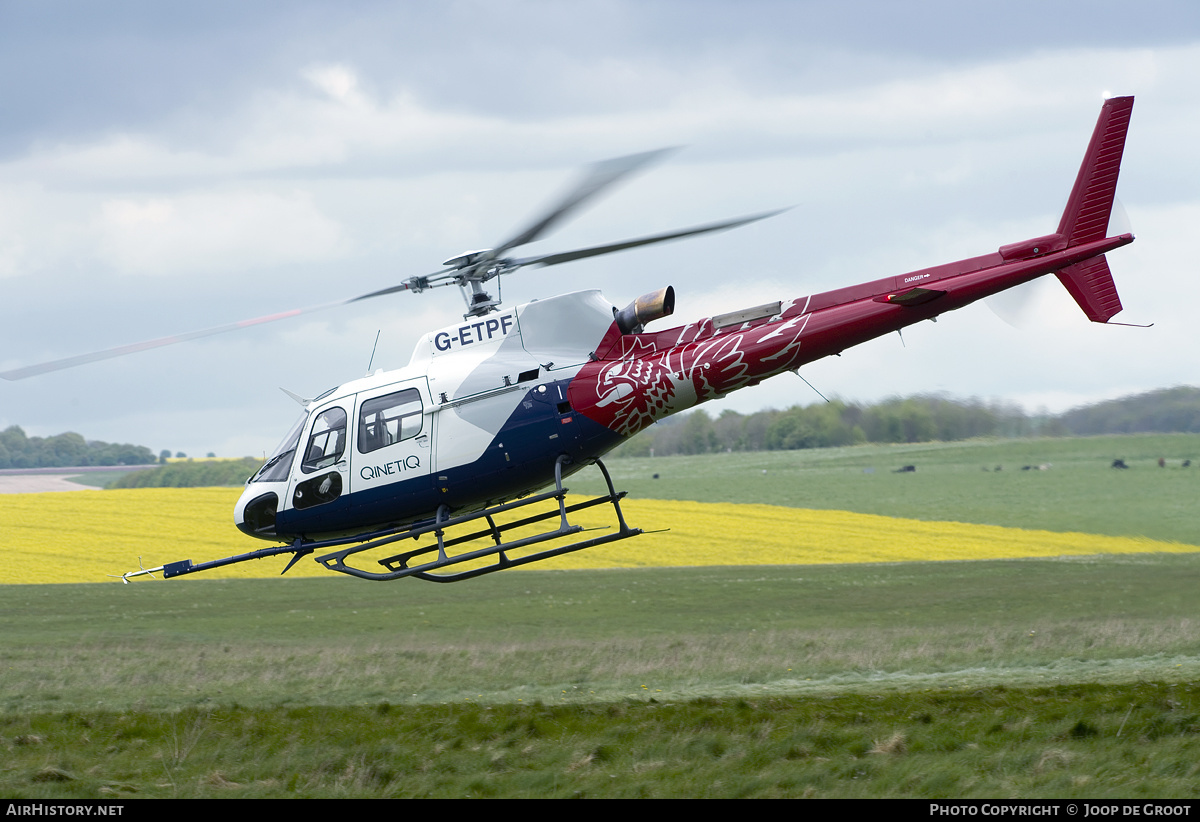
(632, 380)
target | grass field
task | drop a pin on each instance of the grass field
(1062, 675)
(956, 482)
(1055, 742)
(1068, 678)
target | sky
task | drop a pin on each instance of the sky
(167, 167)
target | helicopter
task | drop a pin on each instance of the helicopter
(492, 414)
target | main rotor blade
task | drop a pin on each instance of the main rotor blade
(119, 351)
(601, 176)
(429, 281)
(568, 256)
(415, 284)
(122, 350)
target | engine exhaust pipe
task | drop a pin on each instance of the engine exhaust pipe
(633, 318)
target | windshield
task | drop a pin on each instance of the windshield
(276, 468)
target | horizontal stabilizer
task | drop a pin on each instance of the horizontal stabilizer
(1091, 284)
(912, 297)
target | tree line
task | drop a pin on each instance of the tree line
(922, 418)
(65, 450)
(200, 474)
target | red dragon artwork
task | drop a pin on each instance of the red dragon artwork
(638, 379)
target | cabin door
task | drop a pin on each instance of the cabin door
(393, 441)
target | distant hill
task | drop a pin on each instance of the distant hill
(1170, 410)
(921, 418)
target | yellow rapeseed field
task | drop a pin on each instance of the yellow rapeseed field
(84, 536)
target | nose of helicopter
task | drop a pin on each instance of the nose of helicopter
(255, 512)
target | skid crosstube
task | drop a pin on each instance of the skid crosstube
(401, 565)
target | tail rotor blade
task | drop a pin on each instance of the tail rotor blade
(1017, 306)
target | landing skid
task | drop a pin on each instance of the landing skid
(407, 563)
(402, 565)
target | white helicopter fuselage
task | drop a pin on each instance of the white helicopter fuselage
(479, 416)
(506, 403)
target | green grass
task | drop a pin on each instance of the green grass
(955, 482)
(1131, 741)
(1024, 678)
(206, 473)
(590, 636)
(101, 479)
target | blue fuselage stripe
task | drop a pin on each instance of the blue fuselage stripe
(519, 460)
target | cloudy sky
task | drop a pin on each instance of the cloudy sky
(166, 167)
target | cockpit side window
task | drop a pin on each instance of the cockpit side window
(327, 442)
(389, 419)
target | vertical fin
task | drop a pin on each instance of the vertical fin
(1086, 216)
